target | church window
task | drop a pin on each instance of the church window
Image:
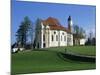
(64, 38)
(56, 37)
(52, 38)
(63, 33)
(54, 32)
(43, 37)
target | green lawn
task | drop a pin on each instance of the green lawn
(45, 61)
(81, 50)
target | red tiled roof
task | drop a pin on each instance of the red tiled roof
(51, 21)
(54, 24)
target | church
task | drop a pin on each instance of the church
(50, 33)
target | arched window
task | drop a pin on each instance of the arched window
(43, 37)
(64, 38)
(56, 37)
(62, 33)
(52, 38)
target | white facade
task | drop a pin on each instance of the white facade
(46, 37)
(82, 41)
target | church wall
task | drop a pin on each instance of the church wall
(61, 41)
(53, 42)
(60, 37)
(71, 44)
(70, 39)
(48, 38)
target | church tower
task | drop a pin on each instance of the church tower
(70, 23)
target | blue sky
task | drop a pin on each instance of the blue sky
(82, 15)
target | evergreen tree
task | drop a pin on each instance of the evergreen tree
(22, 32)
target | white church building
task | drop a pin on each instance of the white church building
(50, 33)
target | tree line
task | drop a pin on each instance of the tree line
(78, 33)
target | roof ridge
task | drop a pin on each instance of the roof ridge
(55, 24)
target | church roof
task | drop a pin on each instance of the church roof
(54, 24)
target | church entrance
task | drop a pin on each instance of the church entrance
(38, 45)
(43, 45)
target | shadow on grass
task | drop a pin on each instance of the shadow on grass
(75, 57)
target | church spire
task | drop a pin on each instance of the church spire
(70, 23)
(69, 18)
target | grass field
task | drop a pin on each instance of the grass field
(81, 50)
(47, 61)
